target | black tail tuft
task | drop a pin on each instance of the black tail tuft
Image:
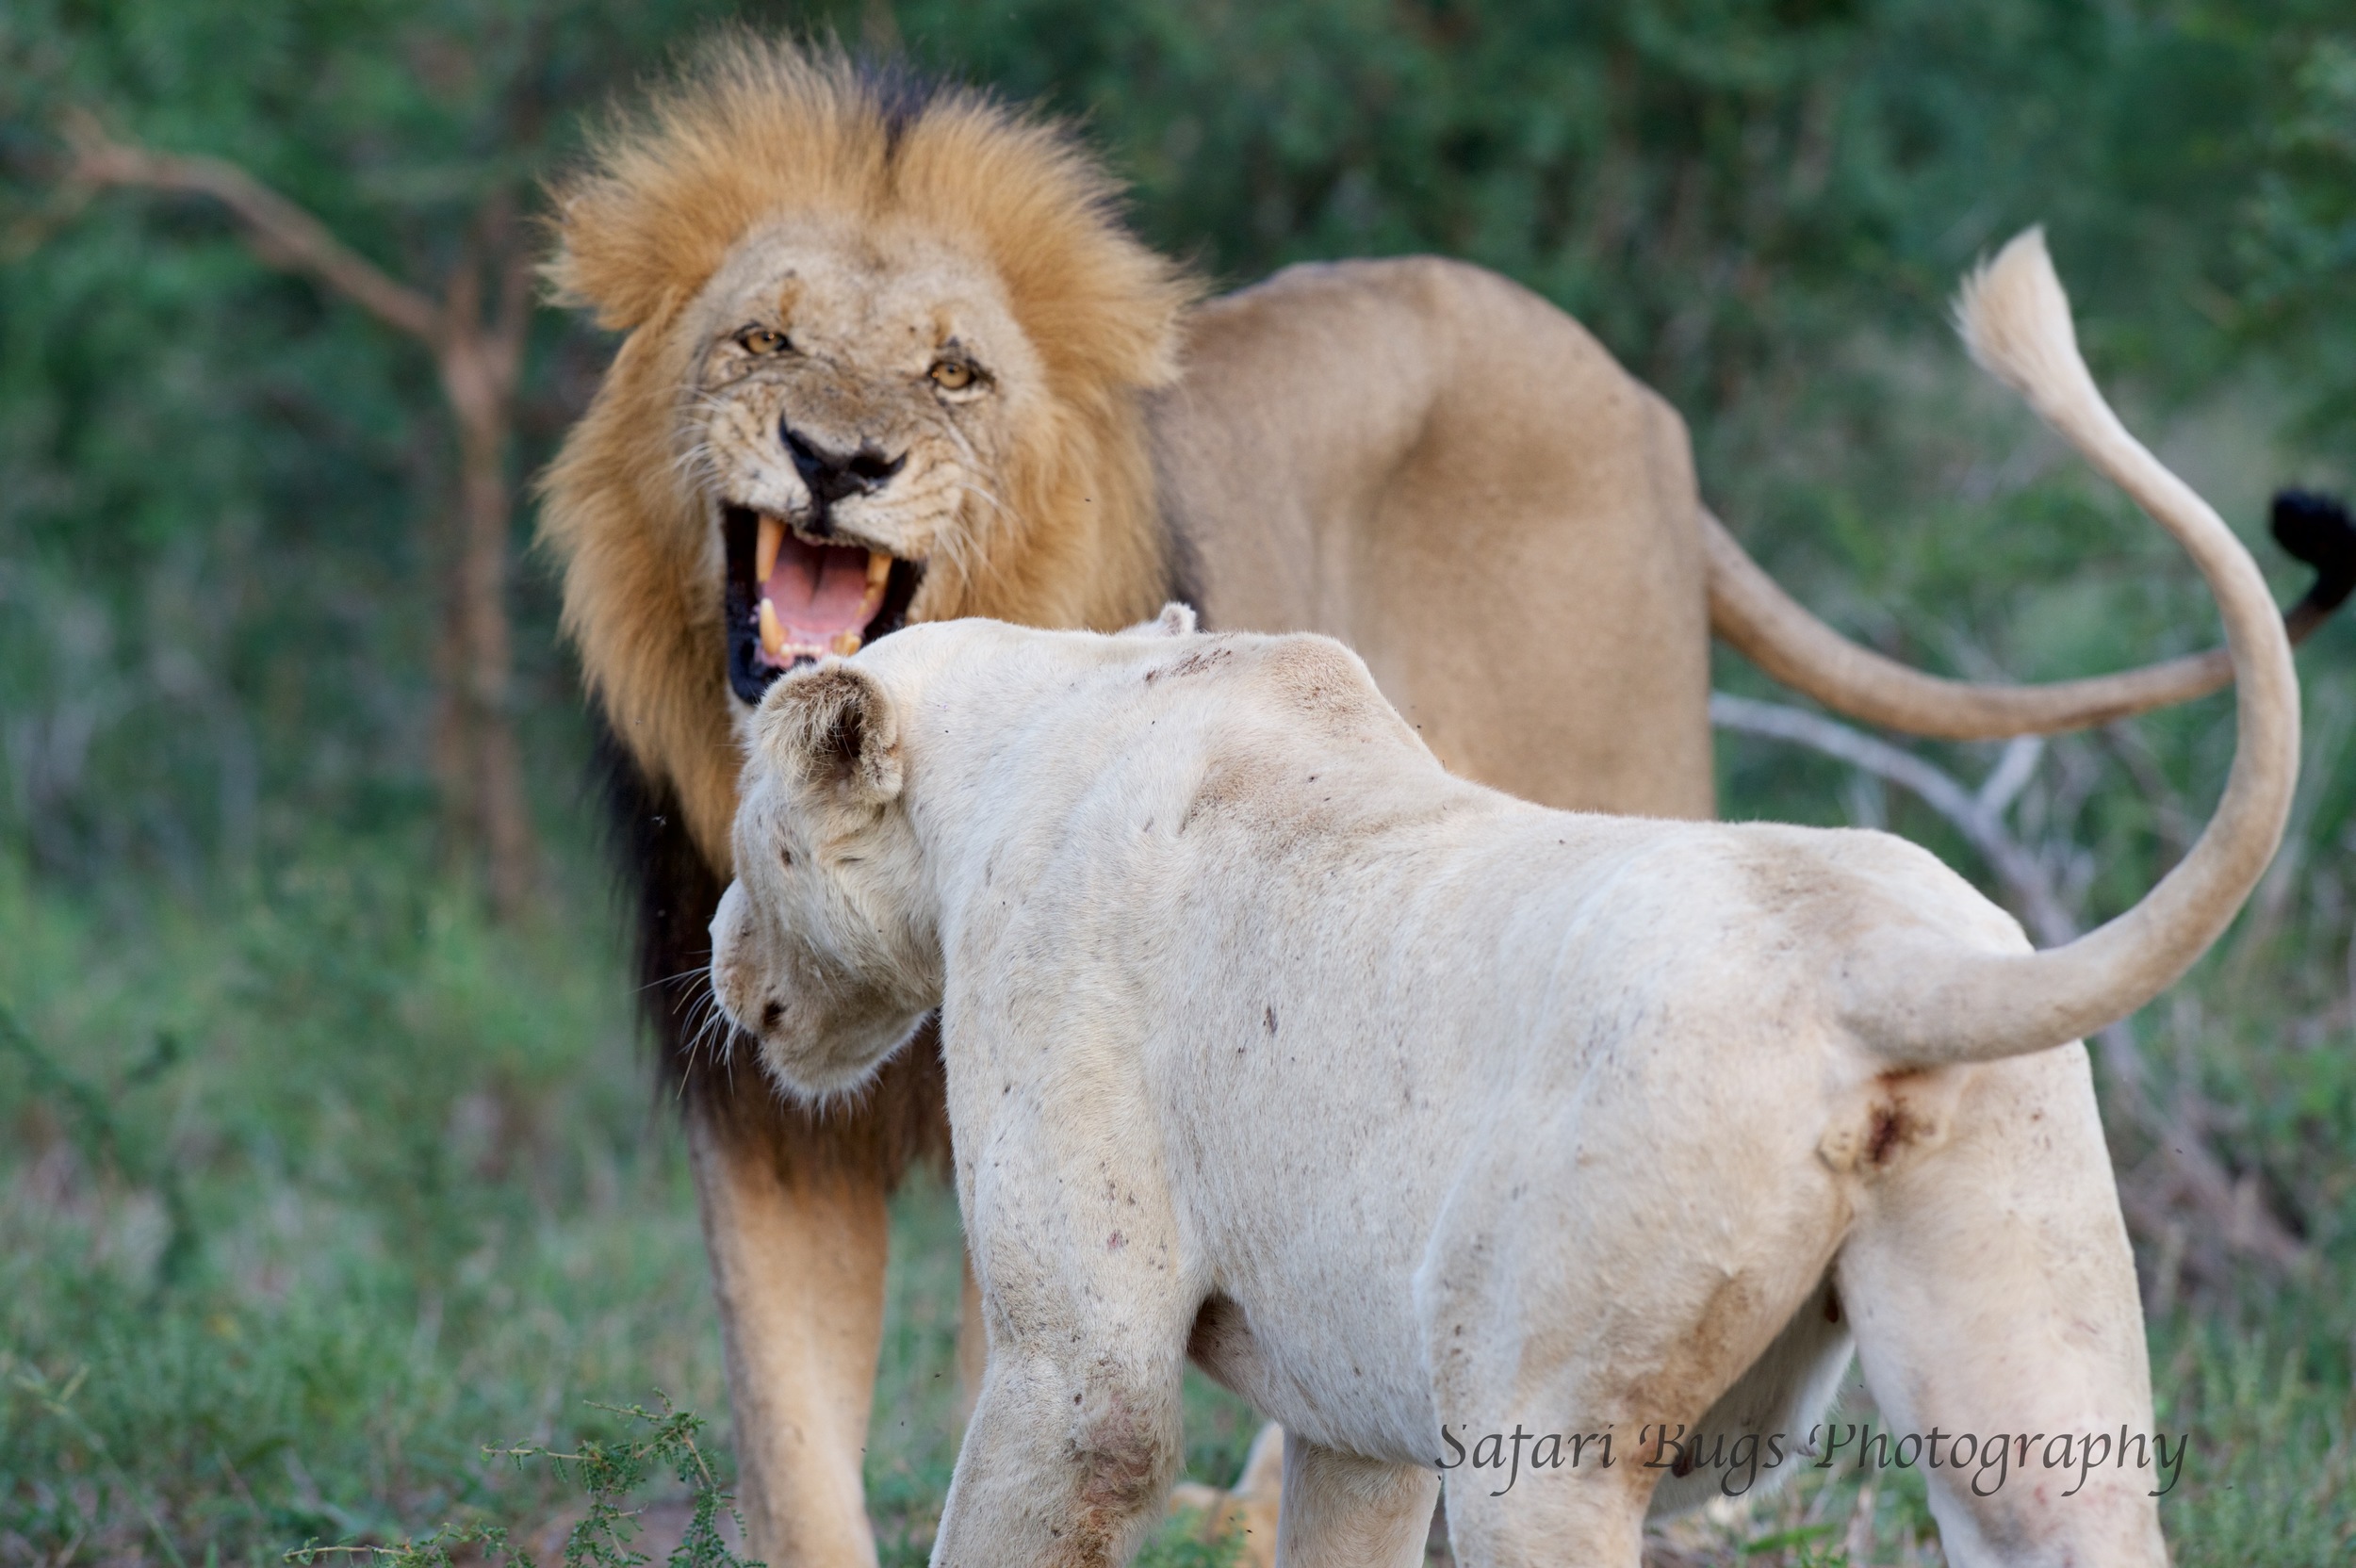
(2315, 529)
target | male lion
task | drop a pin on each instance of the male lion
(890, 356)
(1416, 1112)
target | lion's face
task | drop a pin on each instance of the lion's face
(853, 403)
(882, 363)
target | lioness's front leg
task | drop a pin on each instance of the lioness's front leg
(1086, 1292)
(1072, 1449)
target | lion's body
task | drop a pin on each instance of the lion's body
(1442, 525)
(1448, 474)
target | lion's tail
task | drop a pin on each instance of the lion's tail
(1914, 996)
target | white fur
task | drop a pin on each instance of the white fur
(1407, 1108)
(1403, 1103)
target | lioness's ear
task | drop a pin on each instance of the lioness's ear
(1176, 620)
(834, 725)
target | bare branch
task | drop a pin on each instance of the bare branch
(1977, 816)
(478, 363)
(281, 233)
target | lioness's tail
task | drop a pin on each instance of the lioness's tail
(1915, 997)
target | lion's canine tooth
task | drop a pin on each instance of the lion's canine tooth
(765, 555)
(772, 631)
(879, 576)
(844, 643)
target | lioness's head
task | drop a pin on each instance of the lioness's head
(883, 349)
(824, 949)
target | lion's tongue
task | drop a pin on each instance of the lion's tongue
(817, 598)
(818, 589)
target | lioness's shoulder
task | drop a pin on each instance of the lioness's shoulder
(1299, 682)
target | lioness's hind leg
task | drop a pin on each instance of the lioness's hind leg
(1784, 1392)
(1993, 1298)
(1341, 1511)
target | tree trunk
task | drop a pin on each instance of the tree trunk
(501, 807)
(477, 763)
(453, 746)
(479, 369)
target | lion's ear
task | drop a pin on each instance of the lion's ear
(835, 726)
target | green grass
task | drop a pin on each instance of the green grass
(306, 1205)
(308, 1200)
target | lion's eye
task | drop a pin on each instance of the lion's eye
(761, 340)
(952, 375)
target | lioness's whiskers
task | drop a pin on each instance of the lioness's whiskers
(710, 1027)
(684, 974)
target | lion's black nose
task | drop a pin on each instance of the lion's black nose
(831, 476)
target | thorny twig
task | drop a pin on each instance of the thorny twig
(608, 1475)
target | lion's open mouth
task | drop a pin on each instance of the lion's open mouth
(788, 600)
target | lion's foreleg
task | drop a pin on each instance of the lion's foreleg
(972, 1342)
(797, 1265)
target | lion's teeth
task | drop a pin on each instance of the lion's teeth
(844, 643)
(772, 631)
(765, 555)
(878, 578)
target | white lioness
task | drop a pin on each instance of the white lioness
(1414, 1112)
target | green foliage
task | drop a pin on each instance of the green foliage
(377, 1211)
(1802, 1545)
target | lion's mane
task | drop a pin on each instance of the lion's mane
(757, 132)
